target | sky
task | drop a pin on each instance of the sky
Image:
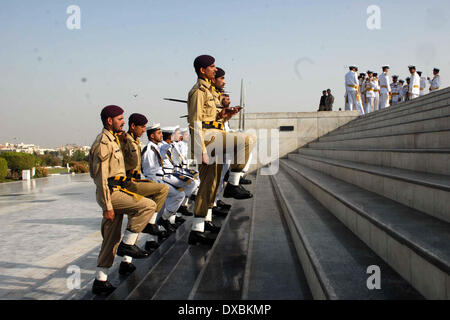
(54, 81)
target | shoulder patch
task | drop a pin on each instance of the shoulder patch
(103, 152)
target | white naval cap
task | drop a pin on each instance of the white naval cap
(183, 130)
(153, 127)
(170, 129)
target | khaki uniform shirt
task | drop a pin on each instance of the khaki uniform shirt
(132, 153)
(105, 161)
(201, 107)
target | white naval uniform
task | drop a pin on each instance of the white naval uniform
(362, 92)
(423, 84)
(153, 169)
(351, 89)
(167, 151)
(369, 89)
(396, 93)
(385, 88)
(173, 159)
(414, 86)
(376, 101)
(435, 83)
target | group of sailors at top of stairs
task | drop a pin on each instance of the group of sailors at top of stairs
(368, 93)
(159, 184)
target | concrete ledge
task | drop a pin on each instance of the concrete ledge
(424, 192)
(441, 109)
(414, 255)
(422, 160)
(334, 260)
(425, 125)
(419, 140)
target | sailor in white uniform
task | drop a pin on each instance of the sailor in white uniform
(376, 101)
(369, 88)
(174, 160)
(385, 87)
(435, 83)
(362, 79)
(396, 90)
(423, 83)
(351, 89)
(414, 85)
(153, 168)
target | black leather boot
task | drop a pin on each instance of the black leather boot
(131, 251)
(196, 237)
(211, 227)
(167, 225)
(126, 268)
(223, 205)
(151, 246)
(236, 192)
(219, 212)
(184, 211)
(154, 231)
(103, 288)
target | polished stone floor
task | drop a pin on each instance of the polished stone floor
(47, 225)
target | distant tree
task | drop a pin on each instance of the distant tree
(3, 168)
(49, 160)
(79, 155)
(18, 161)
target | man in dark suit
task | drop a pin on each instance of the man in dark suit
(322, 105)
(329, 100)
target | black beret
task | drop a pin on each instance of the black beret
(436, 69)
(111, 111)
(220, 73)
(138, 119)
(203, 61)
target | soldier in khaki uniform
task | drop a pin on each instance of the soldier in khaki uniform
(107, 168)
(208, 137)
(150, 189)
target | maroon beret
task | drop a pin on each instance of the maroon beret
(138, 119)
(220, 72)
(203, 61)
(111, 111)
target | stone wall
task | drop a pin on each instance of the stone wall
(307, 126)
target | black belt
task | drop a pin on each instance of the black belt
(118, 181)
(136, 174)
(212, 125)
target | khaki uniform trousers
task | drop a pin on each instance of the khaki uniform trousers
(221, 145)
(156, 191)
(139, 212)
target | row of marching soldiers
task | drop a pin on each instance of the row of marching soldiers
(370, 92)
(156, 185)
